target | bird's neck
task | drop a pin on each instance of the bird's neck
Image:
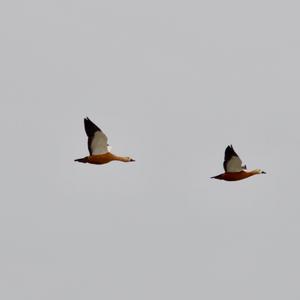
(119, 158)
(255, 172)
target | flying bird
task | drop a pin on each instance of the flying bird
(233, 167)
(98, 147)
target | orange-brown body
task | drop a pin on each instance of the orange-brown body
(101, 159)
(234, 176)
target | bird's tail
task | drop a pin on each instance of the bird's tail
(82, 160)
(218, 176)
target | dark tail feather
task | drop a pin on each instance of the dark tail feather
(217, 177)
(82, 160)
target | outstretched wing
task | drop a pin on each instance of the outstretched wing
(97, 140)
(232, 162)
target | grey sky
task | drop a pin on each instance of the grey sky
(171, 83)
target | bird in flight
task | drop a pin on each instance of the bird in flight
(233, 167)
(98, 147)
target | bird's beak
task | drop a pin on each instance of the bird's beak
(263, 172)
(131, 159)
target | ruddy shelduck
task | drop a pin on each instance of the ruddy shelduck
(99, 149)
(233, 167)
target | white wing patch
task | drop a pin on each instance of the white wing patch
(99, 143)
(234, 165)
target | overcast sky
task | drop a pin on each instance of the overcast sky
(171, 83)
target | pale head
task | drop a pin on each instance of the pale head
(259, 171)
(129, 159)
